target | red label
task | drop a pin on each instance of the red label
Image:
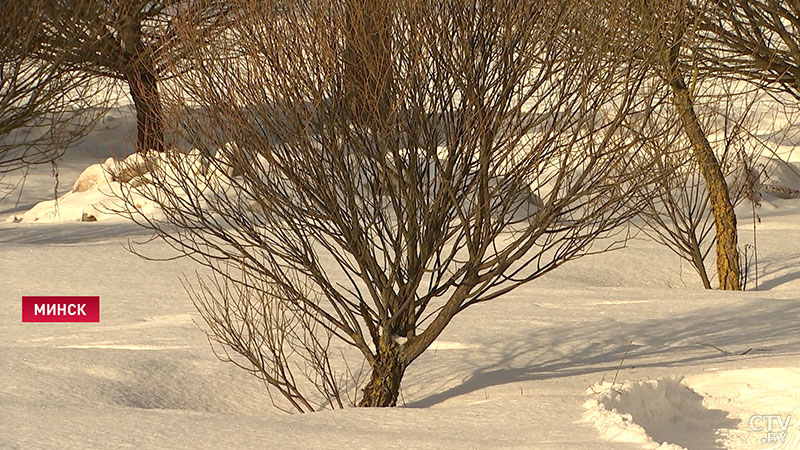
(60, 309)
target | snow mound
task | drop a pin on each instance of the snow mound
(129, 186)
(93, 176)
(663, 414)
(97, 194)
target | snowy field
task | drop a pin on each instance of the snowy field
(622, 350)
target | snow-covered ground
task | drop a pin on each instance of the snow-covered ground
(622, 350)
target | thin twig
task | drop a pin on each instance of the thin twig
(620, 363)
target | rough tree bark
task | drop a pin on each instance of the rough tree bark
(149, 118)
(721, 206)
(387, 373)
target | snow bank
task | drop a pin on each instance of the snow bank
(99, 189)
(93, 176)
(97, 194)
(731, 409)
(94, 197)
(621, 412)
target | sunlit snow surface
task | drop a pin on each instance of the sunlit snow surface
(540, 368)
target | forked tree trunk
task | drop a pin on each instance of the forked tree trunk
(149, 115)
(721, 206)
(387, 373)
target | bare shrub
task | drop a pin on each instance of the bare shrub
(664, 38)
(489, 152)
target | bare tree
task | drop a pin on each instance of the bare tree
(495, 154)
(670, 32)
(125, 41)
(678, 215)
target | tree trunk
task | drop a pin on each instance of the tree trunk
(149, 116)
(387, 373)
(721, 206)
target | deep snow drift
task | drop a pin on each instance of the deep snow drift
(622, 350)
